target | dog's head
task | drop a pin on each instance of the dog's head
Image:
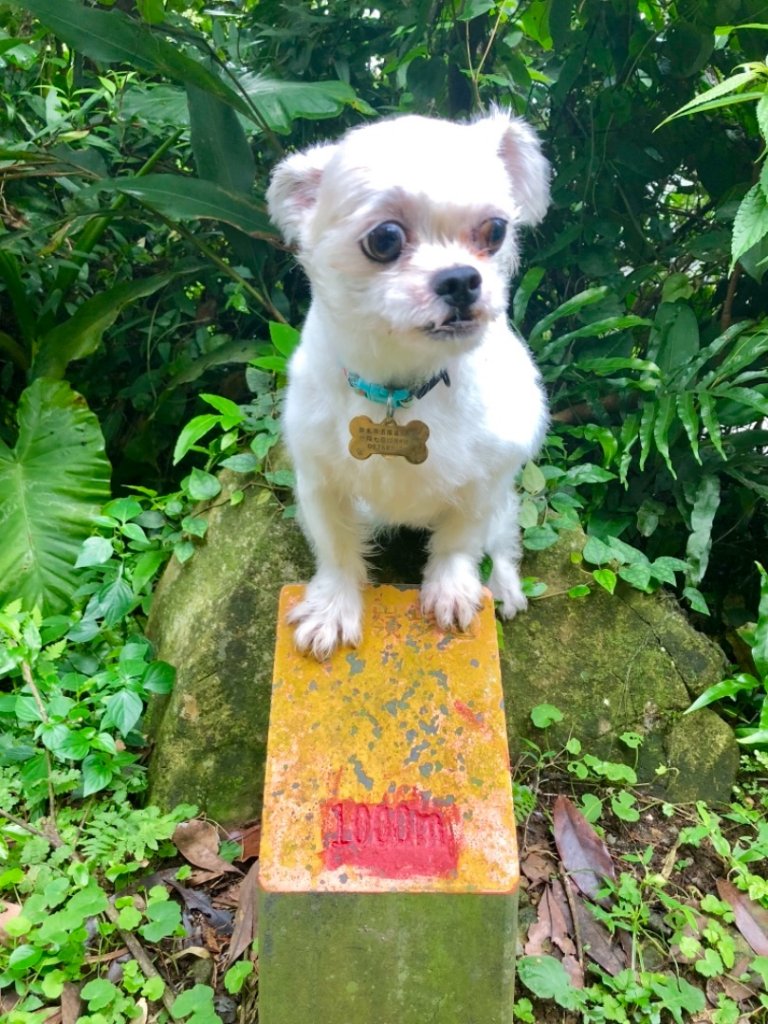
(407, 227)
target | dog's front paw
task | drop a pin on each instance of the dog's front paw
(451, 592)
(329, 616)
(506, 588)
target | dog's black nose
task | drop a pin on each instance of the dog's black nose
(459, 286)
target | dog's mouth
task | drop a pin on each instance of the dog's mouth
(456, 324)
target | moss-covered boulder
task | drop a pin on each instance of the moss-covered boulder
(611, 664)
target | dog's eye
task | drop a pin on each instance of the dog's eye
(491, 234)
(385, 242)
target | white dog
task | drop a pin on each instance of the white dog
(407, 231)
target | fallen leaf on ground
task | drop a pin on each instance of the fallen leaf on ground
(71, 1003)
(198, 842)
(250, 840)
(751, 919)
(574, 971)
(246, 917)
(597, 942)
(583, 853)
(538, 867)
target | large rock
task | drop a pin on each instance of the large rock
(628, 662)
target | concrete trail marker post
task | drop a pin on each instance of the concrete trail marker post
(389, 869)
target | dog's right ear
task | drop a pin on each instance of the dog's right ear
(292, 192)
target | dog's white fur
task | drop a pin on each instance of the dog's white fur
(440, 181)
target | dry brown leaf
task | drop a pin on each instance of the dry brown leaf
(583, 853)
(538, 867)
(574, 971)
(198, 842)
(71, 1003)
(597, 942)
(246, 916)
(561, 918)
(539, 935)
(250, 839)
(751, 919)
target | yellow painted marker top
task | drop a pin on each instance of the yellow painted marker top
(388, 765)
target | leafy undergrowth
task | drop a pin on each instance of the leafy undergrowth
(655, 913)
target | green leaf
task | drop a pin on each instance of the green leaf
(202, 486)
(97, 774)
(81, 334)
(665, 414)
(723, 91)
(686, 410)
(284, 337)
(99, 993)
(532, 479)
(235, 977)
(122, 711)
(544, 715)
(624, 806)
(587, 473)
(741, 683)
(95, 551)
(114, 601)
(24, 957)
(597, 552)
(539, 538)
(581, 590)
(187, 198)
(696, 600)
(638, 575)
(760, 642)
(191, 433)
(750, 225)
(546, 978)
(568, 308)
(112, 37)
(159, 677)
(711, 422)
(223, 155)
(163, 920)
(678, 995)
(647, 420)
(279, 103)
(606, 578)
(195, 999)
(525, 290)
(231, 413)
(699, 545)
(245, 462)
(51, 486)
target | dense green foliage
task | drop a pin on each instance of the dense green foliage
(147, 310)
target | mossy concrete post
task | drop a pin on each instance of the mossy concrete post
(389, 866)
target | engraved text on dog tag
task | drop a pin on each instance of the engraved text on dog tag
(388, 438)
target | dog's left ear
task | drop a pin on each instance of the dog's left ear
(292, 192)
(519, 149)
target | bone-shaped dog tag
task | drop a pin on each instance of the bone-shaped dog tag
(388, 438)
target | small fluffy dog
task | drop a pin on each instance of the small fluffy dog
(407, 231)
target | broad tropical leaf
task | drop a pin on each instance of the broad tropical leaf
(52, 485)
(193, 199)
(279, 103)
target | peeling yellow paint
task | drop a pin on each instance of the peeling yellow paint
(388, 765)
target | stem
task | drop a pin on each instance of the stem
(54, 839)
(225, 268)
(726, 316)
(26, 672)
(137, 952)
